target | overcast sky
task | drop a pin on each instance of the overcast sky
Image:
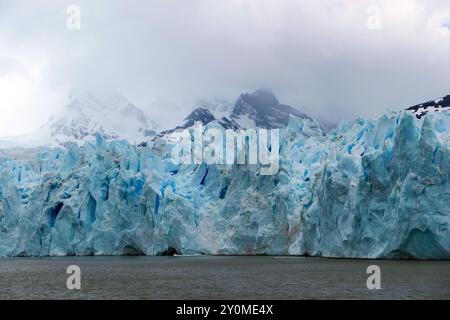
(331, 58)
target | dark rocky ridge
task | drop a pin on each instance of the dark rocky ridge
(433, 105)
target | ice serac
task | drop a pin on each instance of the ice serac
(368, 189)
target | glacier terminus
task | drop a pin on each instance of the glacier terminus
(366, 189)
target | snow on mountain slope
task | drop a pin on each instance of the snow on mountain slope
(437, 105)
(205, 116)
(85, 114)
(113, 116)
(259, 109)
(116, 118)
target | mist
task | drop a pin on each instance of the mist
(333, 59)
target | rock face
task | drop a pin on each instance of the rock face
(369, 189)
(262, 109)
(431, 106)
(259, 109)
(204, 116)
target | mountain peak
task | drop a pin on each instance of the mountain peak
(86, 101)
(258, 109)
(199, 114)
(263, 110)
(88, 113)
(110, 114)
(261, 98)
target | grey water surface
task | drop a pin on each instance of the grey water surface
(221, 277)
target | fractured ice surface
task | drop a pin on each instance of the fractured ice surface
(369, 189)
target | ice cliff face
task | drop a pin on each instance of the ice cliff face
(369, 189)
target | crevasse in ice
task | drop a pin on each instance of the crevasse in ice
(368, 189)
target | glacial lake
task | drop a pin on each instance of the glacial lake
(221, 277)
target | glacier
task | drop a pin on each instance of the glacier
(368, 189)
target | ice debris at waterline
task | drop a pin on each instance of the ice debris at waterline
(369, 189)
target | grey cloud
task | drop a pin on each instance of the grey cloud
(317, 56)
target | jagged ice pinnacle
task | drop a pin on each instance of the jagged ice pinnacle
(368, 189)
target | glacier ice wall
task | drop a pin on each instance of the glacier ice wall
(369, 189)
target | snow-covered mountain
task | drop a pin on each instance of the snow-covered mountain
(263, 110)
(437, 105)
(260, 109)
(86, 114)
(204, 115)
(115, 117)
